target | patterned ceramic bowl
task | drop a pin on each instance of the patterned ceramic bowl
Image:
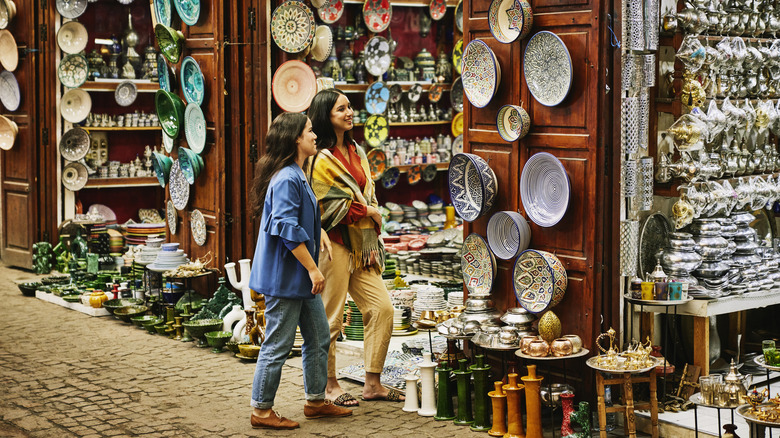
(74, 176)
(508, 234)
(513, 122)
(331, 11)
(164, 74)
(480, 73)
(74, 144)
(191, 164)
(125, 93)
(10, 94)
(73, 71)
(322, 44)
(510, 20)
(162, 11)
(71, 8)
(170, 42)
(473, 186)
(189, 11)
(162, 167)
(544, 189)
(377, 14)
(539, 280)
(478, 266)
(170, 112)
(7, 13)
(292, 26)
(192, 83)
(195, 128)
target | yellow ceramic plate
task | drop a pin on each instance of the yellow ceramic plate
(457, 124)
(375, 130)
(457, 55)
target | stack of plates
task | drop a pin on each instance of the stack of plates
(409, 212)
(396, 212)
(402, 297)
(137, 233)
(354, 322)
(421, 207)
(169, 258)
(455, 299)
(98, 238)
(390, 267)
(428, 298)
(402, 321)
(149, 250)
(115, 241)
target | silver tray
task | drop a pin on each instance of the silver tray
(583, 352)
(591, 362)
(759, 360)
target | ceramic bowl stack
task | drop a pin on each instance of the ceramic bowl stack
(455, 299)
(402, 320)
(136, 234)
(713, 248)
(429, 298)
(169, 258)
(480, 312)
(149, 251)
(402, 297)
(520, 319)
(353, 328)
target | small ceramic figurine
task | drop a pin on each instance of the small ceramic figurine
(443, 68)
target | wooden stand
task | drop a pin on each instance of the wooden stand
(627, 380)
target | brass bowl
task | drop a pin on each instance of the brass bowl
(249, 350)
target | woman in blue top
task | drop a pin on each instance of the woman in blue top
(284, 270)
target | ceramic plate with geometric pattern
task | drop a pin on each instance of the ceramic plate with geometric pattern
(170, 213)
(178, 186)
(539, 279)
(189, 11)
(510, 20)
(473, 186)
(377, 163)
(480, 73)
(377, 59)
(73, 71)
(125, 93)
(292, 26)
(195, 128)
(10, 94)
(437, 8)
(198, 227)
(377, 14)
(547, 68)
(375, 130)
(162, 10)
(74, 144)
(192, 82)
(331, 11)
(544, 189)
(477, 264)
(376, 98)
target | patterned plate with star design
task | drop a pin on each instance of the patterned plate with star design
(375, 130)
(510, 19)
(292, 26)
(547, 68)
(481, 73)
(377, 59)
(377, 14)
(376, 98)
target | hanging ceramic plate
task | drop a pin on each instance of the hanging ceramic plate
(170, 214)
(459, 16)
(457, 56)
(375, 130)
(377, 59)
(547, 68)
(477, 264)
(456, 95)
(71, 8)
(108, 214)
(457, 124)
(167, 142)
(75, 105)
(192, 83)
(513, 122)
(10, 94)
(74, 176)
(74, 144)
(125, 93)
(198, 227)
(178, 187)
(544, 189)
(292, 26)
(472, 184)
(429, 173)
(377, 163)
(189, 11)
(377, 14)
(415, 92)
(322, 43)
(8, 131)
(481, 73)
(508, 234)
(72, 37)
(457, 145)
(414, 174)
(9, 52)
(376, 98)
(73, 71)
(195, 128)
(331, 11)
(294, 86)
(435, 92)
(539, 279)
(437, 8)
(7, 13)
(390, 177)
(164, 74)
(162, 11)
(510, 19)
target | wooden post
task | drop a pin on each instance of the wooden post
(602, 406)
(653, 404)
(701, 343)
(628, 395)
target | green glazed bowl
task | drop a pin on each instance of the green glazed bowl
(198, 329)
(112, 305)
(170, 41)
(217, 340)
(191, 164)
(127, 312)
(138, 321)
(162, 167)
(170, 111)
(28, 289)
(149, 325)
(160, 328)
(232, 346)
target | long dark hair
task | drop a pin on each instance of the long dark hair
(319, 113)
(281, 151)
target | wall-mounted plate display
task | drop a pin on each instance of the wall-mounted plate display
(10, 94)
(429, 173)
(7, 13)
(331, 11)
(457, 145)
(437, 9)
(294, 86)
(481, 73)
(178, 187)
(513, 122)
(377, 14)
(539, 279)
(377, 59)
(375, 130)
(544, 189)
(189, 11)
(163, 11)
(456, 95)
(170, 42)
(192, 83)
(72, 37)
(322, 44)
(170, 112)
(292, 26)
(74, 144)
(74, 176)
(71, 8)
(510, 20)
(390, 177)
(376, 98)
(508, 234)
(459, 16)
(75, 105)
(477, 265)
(457, 124)
(473, 186)
(377, 163)
(547, 68)
(198, 227)
(457, 56)
(195, 128)
(170, 214)
(73, 71)
(414, 174)
(8, 132)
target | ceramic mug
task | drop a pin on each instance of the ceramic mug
(648, 292)
(661, 290)
(675, 290)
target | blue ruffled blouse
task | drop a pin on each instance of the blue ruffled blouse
(290, 217)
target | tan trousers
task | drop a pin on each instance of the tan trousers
(370, 294)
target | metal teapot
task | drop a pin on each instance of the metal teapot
(735, 386)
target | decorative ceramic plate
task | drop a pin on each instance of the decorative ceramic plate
(322, 43)
(73, 71)
(375, 130)
(459, 16)
(437, 8)
(435, 92)
(415, 92)
(74, 176)
(429, 173)
(74, 144)
(192, 83)
(457, 124)
(170, 41)
(390, 177)
(377, 14)
(396, 92)
(547, 68)
(10, 94)
(8, 132)
(71, 8)
(195, 128)
(103, 210)
(331, 11)
(75, 105)
(456, 95)
(414, 174)
(125, 93)
(198, 227)
(167, 142)
(178, 186)
(164, 74)
(653, 236)
(170, 213)
(162, 11)
(513, 122)
(7, 13)
(377, 59)
(481, 73)
(457, 145)
(473, 186)
(294, 86)
(292, 26)
(170, 112)
(72, 37)
(544, 189)
(477, 264)
(376, 98)
(510, 19)
(508, 234)
(539, 279)
(189, 11)
(377, 163)
(457, 56)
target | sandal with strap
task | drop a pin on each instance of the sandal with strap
(393, 395)
(346, 400)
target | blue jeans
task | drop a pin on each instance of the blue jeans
(281, 317)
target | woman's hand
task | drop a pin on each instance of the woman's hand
(317, 281)
(325, 246)
(374, 214)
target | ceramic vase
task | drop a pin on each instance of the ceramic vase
(567, 403)
(428, 402)
(549, 327)
(444, 408)
(533, 403)
(463, 376)
(410, 403)
(498, 400)
(232, 317)
(514, 416)
(243, 284)
(480, 371)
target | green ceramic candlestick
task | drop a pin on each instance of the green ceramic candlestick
(463, 375)
(481, 400)
(444, 408)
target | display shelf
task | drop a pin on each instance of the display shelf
(730, 304)
(405, 86)
(99, 183)
(411, 3)
(438, 122)
(123, 128)
(143, 85)
(87, 310)
(439, 167)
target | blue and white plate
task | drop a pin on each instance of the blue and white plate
(547, 68)
(473, 186)
(192, 83)
(508, 234)
(162, 10)
(189, 10)
(544, 189)
(195, 128)
(376, 98)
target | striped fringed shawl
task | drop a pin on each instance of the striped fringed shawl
(337, 189)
